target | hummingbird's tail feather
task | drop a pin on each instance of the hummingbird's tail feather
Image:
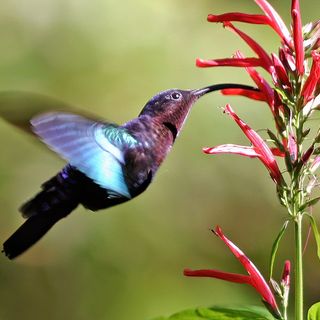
(58, 195)
(54, 202)
(29, 233)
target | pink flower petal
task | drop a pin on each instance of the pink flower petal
(233, 149)
(240, 17)
(262, 54)
(260, 146)
(292, 147)
(255, 95)
(297, 36)
(315, 164)
(229, 62)
(276, 22)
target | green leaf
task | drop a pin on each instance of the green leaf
(316, 233)
(275, 247)
(314, 312)
(219, 313)
(310, 203)
(317, 138)
(276, 141)
(284, 98)
(316, 151)
(306, 132)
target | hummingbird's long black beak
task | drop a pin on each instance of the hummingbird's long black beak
(216, 87)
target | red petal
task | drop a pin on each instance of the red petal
(255, 95)
(257, 280)
(261, 147)
(240, 17)
(261, 83)
(232, 277)
(314, 77)
(233, 149)
(229, 62)
(262, 54)
(287, 59)
(275, 20)
(281, 77)
(277, 152)
(297, 36)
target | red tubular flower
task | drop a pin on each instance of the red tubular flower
(270, 18)
(255, 95)
(240, 17)
(229, 62)
(233, 149)
(275, 20)
(254, 277)
(262, 54)
(259, 148)
(261, 83)
(313, 79)
(297, 36)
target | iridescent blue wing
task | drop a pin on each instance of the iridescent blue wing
(92, 147)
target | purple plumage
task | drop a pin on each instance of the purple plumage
(108, 164)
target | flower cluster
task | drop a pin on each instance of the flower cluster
(292, 95)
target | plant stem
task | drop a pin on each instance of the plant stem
(285, 314)
(298, 268)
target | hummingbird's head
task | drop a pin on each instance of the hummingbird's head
(172, 106)
(173, 100)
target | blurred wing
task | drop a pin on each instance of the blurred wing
(18, 107)
(86, 145)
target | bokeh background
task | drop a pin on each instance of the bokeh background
(109, 57)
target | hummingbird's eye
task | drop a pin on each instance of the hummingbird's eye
(176, 95)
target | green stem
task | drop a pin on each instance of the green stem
(298, 268)
(285, 313)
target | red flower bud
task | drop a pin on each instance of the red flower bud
(297, 36)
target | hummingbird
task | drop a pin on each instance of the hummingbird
(108, 164)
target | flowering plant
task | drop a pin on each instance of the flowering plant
(293, 96)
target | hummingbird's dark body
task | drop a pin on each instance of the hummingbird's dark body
(108, 164)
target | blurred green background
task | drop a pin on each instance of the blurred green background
(109, 57)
